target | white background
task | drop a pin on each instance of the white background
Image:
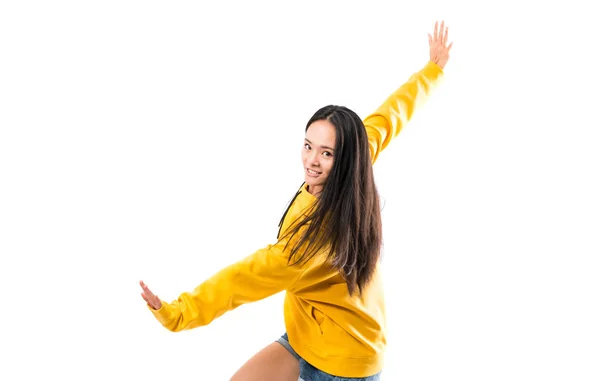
(161, 141)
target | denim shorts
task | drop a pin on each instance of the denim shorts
(310, 373)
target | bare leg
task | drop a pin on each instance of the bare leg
(273, 363)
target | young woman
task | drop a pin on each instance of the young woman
(326, 256)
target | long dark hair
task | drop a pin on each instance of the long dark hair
(346, 216)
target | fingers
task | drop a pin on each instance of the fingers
(149, 296)
(440, 34)
(445, 37)
(147, 291)
(145, 288)
(145, 298)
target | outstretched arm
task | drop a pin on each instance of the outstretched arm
(389, 119)
(264, 273)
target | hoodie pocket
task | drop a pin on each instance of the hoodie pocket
(318, 317)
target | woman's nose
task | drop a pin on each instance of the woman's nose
(314, 159)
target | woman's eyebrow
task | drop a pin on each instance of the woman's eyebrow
(326, 147)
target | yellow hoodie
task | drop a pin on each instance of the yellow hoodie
(337, 333)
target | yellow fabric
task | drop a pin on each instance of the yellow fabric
(337, 333)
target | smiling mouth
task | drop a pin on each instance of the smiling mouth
(312, 172)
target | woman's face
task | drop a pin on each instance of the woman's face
(317, 154)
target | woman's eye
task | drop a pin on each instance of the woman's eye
(306, 146)
(327, 154)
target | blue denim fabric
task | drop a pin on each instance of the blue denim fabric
(310, 373)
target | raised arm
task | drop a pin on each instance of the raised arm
(388, 120)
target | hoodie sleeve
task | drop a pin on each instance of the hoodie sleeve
(387, 121)
(262, 274)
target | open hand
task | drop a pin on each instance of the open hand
(152, 300)
(438, 48)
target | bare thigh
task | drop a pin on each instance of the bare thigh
(273, 363)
